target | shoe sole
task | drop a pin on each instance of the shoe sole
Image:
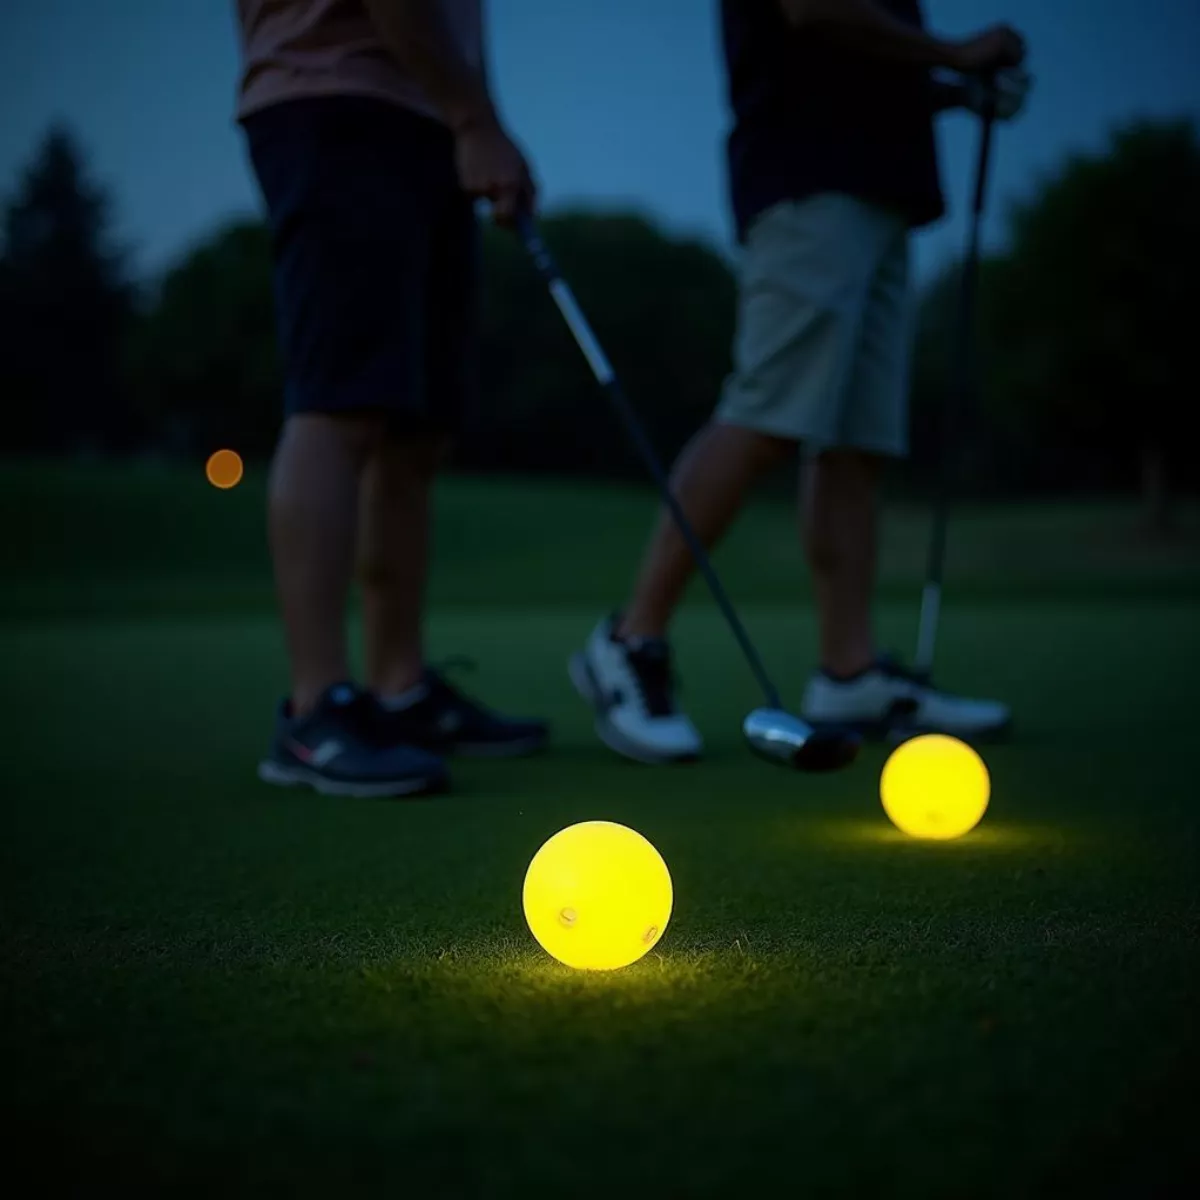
(584, 682)
(286, 776)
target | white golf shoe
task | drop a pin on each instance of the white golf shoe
(885, 700)
(630, 687)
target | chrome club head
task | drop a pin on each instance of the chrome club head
(780, 737)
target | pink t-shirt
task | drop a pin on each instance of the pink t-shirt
(292, 49)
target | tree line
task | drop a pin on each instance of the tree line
(1084, 328)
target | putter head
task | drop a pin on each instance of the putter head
(782, 738)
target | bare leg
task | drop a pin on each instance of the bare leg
(838, 515)
(312, 519)
(711, 479)
(394, 558)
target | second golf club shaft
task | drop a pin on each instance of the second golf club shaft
(961, 382)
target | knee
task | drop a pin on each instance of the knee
(841, 482)
(355, 435)
(769, 451)
(359, 435)
(762, 451)
(846, 467)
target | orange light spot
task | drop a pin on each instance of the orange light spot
(224, 469)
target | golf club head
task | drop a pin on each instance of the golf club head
(782, 738)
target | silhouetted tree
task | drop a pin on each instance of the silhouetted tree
(203, 359)
(662, 307)
(998, 443)
(65, 300)
(1094, 304)
(206, 370)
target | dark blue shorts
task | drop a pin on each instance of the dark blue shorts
(376, 260)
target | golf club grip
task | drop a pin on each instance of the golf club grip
(606, 377)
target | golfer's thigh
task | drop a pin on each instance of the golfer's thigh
(803, 283)
(876, 411)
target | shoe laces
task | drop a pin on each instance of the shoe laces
(893, 668)
(363, 717)
(650, 661)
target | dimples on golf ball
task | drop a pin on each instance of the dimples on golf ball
(935, 787)
(597, 896)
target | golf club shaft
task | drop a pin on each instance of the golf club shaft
(960, 391)
(607, 378)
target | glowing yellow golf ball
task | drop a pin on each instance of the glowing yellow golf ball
(597, 896)
(935, 787)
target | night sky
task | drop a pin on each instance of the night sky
(619, 103)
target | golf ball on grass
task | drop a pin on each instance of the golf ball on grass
(597, 896)
(935, 787)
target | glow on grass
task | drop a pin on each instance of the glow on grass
(224, 469)
(986, 839)
(597, 896)
(935, 787)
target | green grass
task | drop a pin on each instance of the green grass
(157, 540)
(208, 985)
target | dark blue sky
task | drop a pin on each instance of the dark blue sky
(620, 102)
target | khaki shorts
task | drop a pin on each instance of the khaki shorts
(824, 332)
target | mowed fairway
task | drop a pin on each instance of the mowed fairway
(211, 986)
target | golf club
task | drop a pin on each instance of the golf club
(771, 732)
(961, 383)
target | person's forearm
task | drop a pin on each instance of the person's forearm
(417, 35)
(867, 27)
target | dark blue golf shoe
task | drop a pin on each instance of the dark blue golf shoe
(438, 718)
(342, 748)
